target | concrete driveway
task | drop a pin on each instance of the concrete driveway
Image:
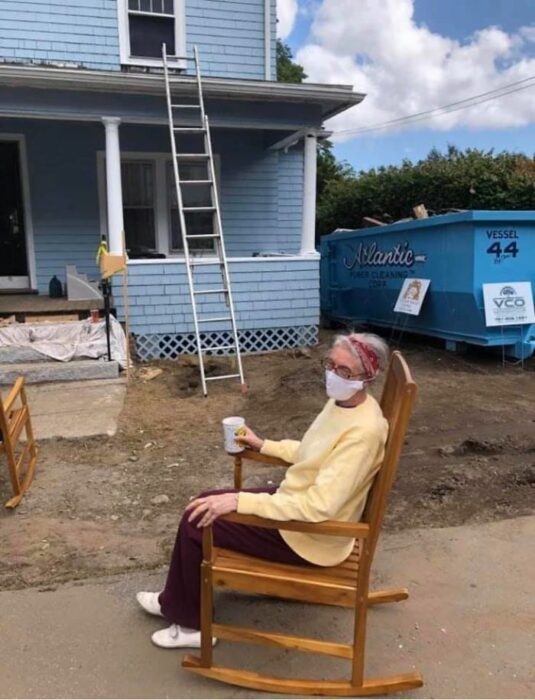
(468, 626)
(75, 409)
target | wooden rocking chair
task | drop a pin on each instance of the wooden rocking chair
(20, 460)
(344, 585)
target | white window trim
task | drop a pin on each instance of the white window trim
(124, 38)
(162, 206)
(26, 204)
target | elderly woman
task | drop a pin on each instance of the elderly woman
(331, 472)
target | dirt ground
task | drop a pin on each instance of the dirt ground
(107, 505)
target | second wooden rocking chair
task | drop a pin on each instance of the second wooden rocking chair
(345, 585)
(21, 458)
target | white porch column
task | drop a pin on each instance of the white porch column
(114, 190)
(309, 196)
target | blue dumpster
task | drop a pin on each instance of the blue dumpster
(362, 272)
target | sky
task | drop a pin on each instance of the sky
(410, 56)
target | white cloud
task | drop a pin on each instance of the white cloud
(286, 14)
(405, 68)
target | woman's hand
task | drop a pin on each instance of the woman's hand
(208, 508)
(250, 439)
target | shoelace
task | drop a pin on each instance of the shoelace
(174, 631)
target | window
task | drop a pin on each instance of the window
(144, 25)
(138, 206)
(150, 211)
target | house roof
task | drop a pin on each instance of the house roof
(332, 99)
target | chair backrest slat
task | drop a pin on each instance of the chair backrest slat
(397, 399)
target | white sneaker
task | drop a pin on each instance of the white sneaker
(175, 637)
(149, 602)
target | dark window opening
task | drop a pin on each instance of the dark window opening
(148, 33)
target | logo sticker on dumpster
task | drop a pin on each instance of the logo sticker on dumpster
(398, 255)
(508, 304)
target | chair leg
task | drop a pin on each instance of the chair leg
(389, 595)
(207, 612)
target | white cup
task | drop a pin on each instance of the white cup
(231, 429)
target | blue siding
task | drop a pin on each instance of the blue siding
(261, 194)
(261, 190)
(290, 199)
(230, 36)
(79, 31)
(228, 33)
(267, 294)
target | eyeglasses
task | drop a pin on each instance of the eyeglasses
(341, 370)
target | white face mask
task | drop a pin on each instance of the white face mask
(341, 389)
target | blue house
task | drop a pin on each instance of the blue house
(84, 150)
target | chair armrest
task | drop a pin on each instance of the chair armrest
(254, 456)
(336, 528)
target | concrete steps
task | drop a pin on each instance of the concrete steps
(37, 372)
(20, 355)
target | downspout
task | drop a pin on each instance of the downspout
(267, 40)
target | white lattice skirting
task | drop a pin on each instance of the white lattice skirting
(165, 346)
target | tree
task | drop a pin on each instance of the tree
(471, 179)
(287, 70)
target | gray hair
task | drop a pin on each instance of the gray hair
(377, 344)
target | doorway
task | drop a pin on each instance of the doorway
(14, 268)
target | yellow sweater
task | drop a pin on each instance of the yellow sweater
(331, 473)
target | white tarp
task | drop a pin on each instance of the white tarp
(67, 341)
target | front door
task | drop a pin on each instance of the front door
(13, 254)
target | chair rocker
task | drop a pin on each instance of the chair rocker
(344, 585)
(21, 460)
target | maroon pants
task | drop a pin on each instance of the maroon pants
(180, 599)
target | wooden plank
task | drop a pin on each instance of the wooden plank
(238, 472)
(261, 567)
(254, 456)
(390, 595)
(321, 592)
(207, 604)
(13, 394)
(285, 571)
(16, 424)
(38, 303)
(420, 212)
(228, 559)
(315, 646)
(50, 318)
(372, 222)
(301, 686)
(327, 527)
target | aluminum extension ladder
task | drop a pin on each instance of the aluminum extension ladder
(193, 262)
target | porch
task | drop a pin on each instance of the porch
(93, 164)
(276, 303)
(28, 307)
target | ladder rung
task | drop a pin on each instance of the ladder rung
(202, 235)
(211, 291)
(189, 129)
(214, 320)
(221, 376)
(205, 262)
(181, 58)
(219, 347)
(189, 209)
(195, 182)
(177, 106)
(192, 156)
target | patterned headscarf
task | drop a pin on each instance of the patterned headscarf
(367, 356)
